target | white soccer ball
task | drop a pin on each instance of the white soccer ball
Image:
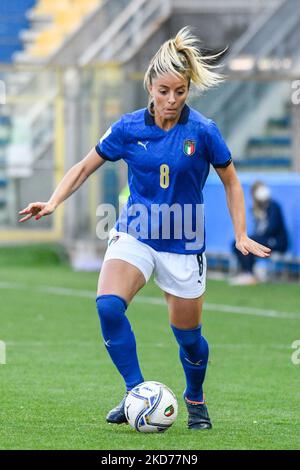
(151, 407)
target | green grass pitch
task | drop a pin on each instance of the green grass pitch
(58, 382)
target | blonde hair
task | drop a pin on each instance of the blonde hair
(180, 56)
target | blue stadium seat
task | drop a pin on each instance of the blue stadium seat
(11, 28)
(4, 131)
(282, 122)
(271, 162)
(15, 6)
(271, 150)
(12, 20)
(5, 120)
(269, 140)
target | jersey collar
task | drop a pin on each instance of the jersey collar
(184, 116)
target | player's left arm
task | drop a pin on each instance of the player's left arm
(236, 206)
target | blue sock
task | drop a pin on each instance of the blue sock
(119, 338)
(193, 354)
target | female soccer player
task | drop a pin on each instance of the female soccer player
(168, 148)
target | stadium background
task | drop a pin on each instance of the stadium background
(68, 69)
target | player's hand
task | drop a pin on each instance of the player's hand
(246, 245)
(37, 210)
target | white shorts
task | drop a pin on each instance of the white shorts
(178, 274)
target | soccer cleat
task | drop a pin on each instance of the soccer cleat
(198, 416)
(117, 414)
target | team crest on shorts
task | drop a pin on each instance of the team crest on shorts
(189, 147)
(113, 240)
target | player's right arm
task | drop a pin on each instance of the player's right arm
(72, 180)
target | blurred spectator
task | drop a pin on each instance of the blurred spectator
(269, 230)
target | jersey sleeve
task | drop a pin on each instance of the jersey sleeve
(111, 144)
(219, 154)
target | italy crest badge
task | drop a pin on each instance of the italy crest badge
(189, 147)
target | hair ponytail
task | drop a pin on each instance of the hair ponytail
(181, 56)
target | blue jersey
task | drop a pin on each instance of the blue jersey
(167, 171)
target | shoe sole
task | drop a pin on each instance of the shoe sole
(115, 422)
(195, 428)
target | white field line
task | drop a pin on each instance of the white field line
(230, 309)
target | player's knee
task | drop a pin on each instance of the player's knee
(111, 309)
(186, 338)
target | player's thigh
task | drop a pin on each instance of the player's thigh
(118, 277)
(184, 313)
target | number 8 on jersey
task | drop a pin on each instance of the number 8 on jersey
(164, 176)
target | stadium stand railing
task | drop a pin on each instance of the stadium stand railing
(128, 32)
